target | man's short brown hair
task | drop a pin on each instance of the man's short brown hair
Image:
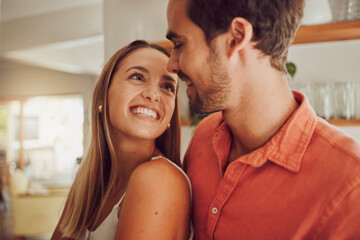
(274, 22)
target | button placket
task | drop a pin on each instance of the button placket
(227, 186)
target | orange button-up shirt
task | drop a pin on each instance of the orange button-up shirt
(304, 183)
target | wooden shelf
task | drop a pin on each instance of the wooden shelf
(312, 34)
(328, 32)
(344, 122)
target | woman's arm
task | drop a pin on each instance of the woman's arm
(156, 204)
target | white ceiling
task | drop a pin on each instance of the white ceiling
(12, 9)
(65, 35)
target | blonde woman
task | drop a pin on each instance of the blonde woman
(126, 187)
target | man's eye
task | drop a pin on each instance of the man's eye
(137, 76)
(169, 87)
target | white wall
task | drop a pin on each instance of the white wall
(128, 20)
(352, 131)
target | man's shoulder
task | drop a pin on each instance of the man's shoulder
(337, 141)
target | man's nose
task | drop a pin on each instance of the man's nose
(173, 63)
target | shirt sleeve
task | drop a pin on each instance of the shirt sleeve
(343, 222)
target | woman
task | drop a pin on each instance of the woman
(126, 188)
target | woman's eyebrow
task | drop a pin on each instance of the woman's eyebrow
(167, 77)
(138, 68)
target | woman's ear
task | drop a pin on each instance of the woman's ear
(241, 33)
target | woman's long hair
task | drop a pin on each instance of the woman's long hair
(96, 175)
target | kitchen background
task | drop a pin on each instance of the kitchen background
(53, 51)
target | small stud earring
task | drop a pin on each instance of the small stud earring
(168, 126)
(100, 107)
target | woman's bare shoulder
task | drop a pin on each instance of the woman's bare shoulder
(159, 173)
(157, 203)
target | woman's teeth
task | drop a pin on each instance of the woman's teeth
(145, 111)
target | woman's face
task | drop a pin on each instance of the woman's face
(142, 95)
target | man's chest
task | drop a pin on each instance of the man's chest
(241, 200)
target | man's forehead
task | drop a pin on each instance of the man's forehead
(176, 6)
(178, 1)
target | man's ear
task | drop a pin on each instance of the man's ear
(241, 33)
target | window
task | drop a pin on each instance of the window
(43, 135)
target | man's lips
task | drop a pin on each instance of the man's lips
(187, 81)
(182, 75)
(190, 87)
(185, 78)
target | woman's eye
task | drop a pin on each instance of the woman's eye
(137, 76)
(169, 87)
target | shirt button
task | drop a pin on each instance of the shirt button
(214, 210)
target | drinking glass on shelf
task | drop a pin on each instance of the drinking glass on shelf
(345, 10)
(322, 99)
(353, 10)
(344, 100)
(339, 9)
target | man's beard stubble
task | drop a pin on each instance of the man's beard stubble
(216, 95)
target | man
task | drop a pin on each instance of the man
(264, 166)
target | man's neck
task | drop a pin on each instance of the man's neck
(254, 121)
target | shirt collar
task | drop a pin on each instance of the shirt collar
(287, 147)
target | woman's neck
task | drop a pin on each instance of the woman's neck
(129, 154)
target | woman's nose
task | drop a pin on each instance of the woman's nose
(151, 93)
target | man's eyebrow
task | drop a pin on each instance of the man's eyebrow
(171, 35)
(138, 68)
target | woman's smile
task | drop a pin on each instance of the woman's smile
(146, 112)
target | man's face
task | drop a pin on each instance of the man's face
(196, 63)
